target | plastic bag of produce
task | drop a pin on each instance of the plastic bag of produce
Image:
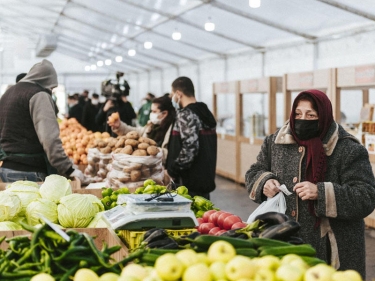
(274, 204)
(132, 170)
(97, 167)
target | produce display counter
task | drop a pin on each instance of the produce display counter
(227, 156)
(252, 133)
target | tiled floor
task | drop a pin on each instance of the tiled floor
(233, 198)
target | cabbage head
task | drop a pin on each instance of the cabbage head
(98, 221)
(96, 201)
(26, 192)
(10, 206)
(55, 187)
(76, 210)
(9, 225)
(41, 206)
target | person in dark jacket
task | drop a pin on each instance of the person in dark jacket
(330, 176)
(90, 110)
(30, 145)
(75, 109)
(192, 147)
(118, 104)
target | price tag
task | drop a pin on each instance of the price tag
(55, 228)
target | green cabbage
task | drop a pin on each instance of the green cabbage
(96, 201)
(97, 221)
(9, 225)
(27, 191)
(10, 205)
(76, 210)
(41, 206)
(55, 187)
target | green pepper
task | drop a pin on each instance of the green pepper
(106, 202)
(107, 192)
(113, 204)
(113, 197)
(149, 182)
(124, 190)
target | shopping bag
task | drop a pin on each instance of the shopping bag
(274, 204)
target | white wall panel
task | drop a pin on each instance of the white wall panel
(244, 67)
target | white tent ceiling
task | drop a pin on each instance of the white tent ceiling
(92, 30)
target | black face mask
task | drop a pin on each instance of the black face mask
(306, 129)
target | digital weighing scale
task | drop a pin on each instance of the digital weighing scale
(140, 214)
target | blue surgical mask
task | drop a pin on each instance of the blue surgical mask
(176, 104)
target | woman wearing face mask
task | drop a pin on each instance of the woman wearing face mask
(158, 127)
(330, 177)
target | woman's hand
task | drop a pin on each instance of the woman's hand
(271, 187)
(108, 105)
(114, 125)
(306, 190)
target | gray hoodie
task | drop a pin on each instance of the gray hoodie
(43, 115)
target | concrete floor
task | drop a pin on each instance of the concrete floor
(233, 198)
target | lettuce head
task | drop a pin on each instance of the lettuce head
(10, 205)
(55, 187)
(41, 206)
(26, 192)
(9, 225)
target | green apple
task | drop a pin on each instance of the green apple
(43, 277)
(188, 257)
(319, 272)
(287, 259)
(134, 270)
(347, 275)
(217, 270)
(128, 278)
(169, 267)
(203, 258)
(221, 251)
(109, 276)
(197, 272)
(287, 272)
(240, 267)
(85, 274)
(264, 274)
(268, 262)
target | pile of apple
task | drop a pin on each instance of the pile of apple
(215, 222)
(221, 263)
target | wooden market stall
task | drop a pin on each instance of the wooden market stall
(255, 126)
(227, 155)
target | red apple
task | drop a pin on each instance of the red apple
(220, 220)
(205, 227)
(239, 225)
(230, 220)
(220, 232)
(214, 216)
(214, 230)
(207, 215)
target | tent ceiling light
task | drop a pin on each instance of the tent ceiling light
(87, 68)
(176, 35)
(100, 63)
(254, 3)
(209, 25)
(118, 59)
(93, 67)
(104, 45)
(147, 45)
(131, 53)
(108, 62)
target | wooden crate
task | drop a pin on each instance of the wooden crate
(370, 220)
(101, 234)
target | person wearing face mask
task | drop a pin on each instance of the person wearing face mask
(90, 110)
(158, 127)
(145, 110)
(330, 177)
(192, 149)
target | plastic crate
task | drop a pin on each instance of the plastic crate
(133, 238)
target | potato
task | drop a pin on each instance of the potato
(116, 166)
(147, 140)
(124, 177)
(152, 150)
(139, 152)
(132, 135)
(132, 167)
(112, 142)
(106, 150)
(120, 143)
(117, 150)
(143, 145)
(135, 175)
(102, 144)
(146, 173)
(128, 149)
(133, 143)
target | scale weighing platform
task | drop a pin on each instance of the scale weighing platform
(142, 213)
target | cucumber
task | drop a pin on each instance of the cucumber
(260, 242)
(302, 250)
(247, 252)
(311, 261)
(160, 251)
(205, 241)
(149, 258)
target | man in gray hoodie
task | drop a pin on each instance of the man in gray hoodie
(30, 146)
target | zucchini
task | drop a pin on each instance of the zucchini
(205, 241)
(260, 242)
(311, 261)
(301, 250)
(247, 252)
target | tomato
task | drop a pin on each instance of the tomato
(220, 232)
(207, 215)
(214, 216)
(205, 227)
(230, 220)
(200, 221)
(239, 224)
(220, 220)
(214, 230)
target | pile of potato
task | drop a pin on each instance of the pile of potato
(76, 140)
